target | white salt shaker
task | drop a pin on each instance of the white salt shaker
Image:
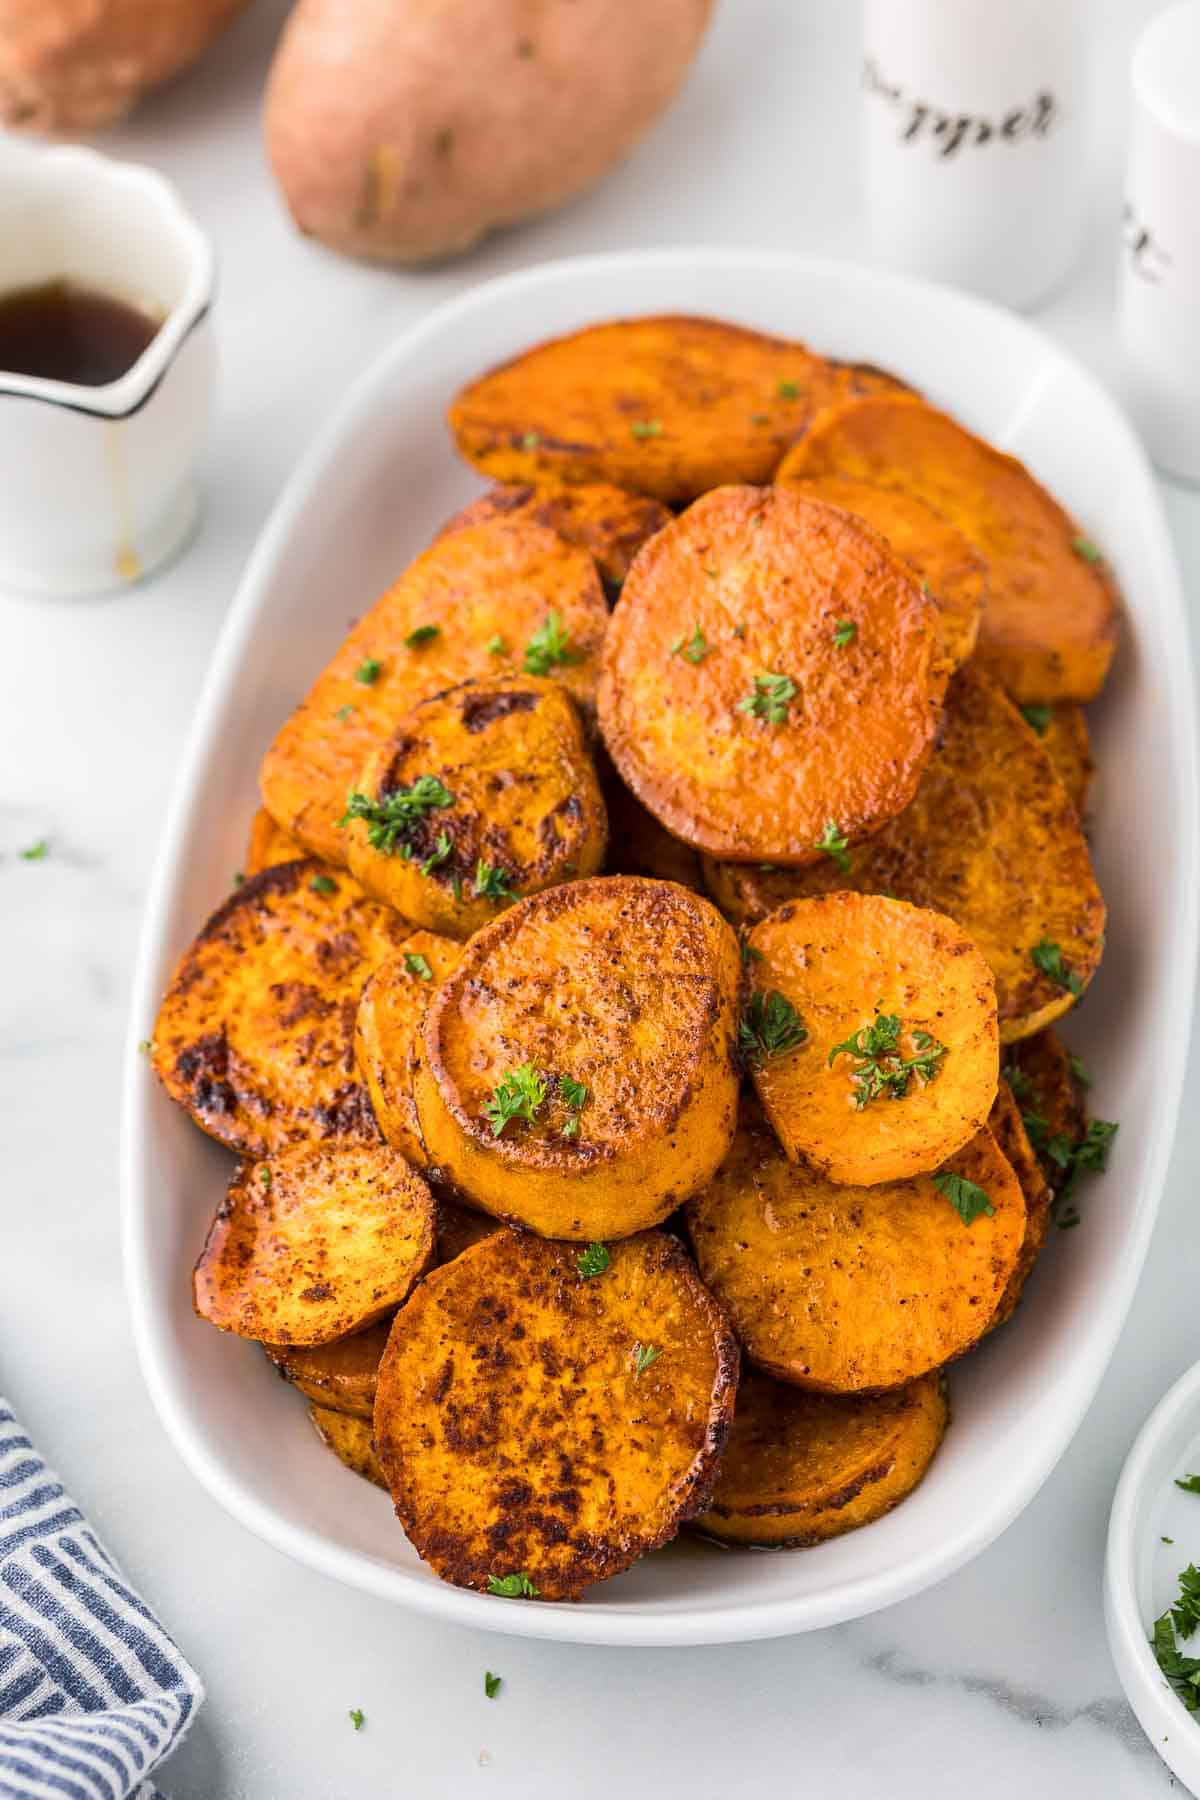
(975, 140)
(1160, 279)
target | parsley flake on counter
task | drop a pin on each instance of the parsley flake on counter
(646, 428)
(369, 671)
(549, 646)
(694, 650)
(323, 884)
(770, 699)
(1189, 1483)
(1038, 717)
(513, 1587)
(441, 850)
(643, 1356)
(882, 1070)
(492, 1684)
(835, 845)
(1084, 547)
(424, 634)
(966, 1197)
(358, 1718)
(519, 1095)
(593, 1261)
(389, 820)
(418, 965)
(844, 632)
(770, 1026)
(36, 852)
(1048, 957)
(491, 883)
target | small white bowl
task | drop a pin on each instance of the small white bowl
(1141, 1570)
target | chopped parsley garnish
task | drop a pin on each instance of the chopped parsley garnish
(424, 634)
(369, 671)
(323, 884)
(835, 845)
(1190, 1485)
(967, 1199)
(844, 632)
(1080, 1071)
(145, 1047)
(264, 1175)
(749, 953)
(760, 418)
(358, 1718)
(496, 646)
(549, 646)
(646, 428)
(593, 1261)
(519, 1095)
(1038, 717)
(491, 1684)
(456, 887)
(491, 883)
(1084, 547)
(441, 850)
(882, 1070)
(238, 877)
(343, 712)
(573, 1092)
(1182, 1672)
(391, 819)
(1048, 957)
(513, 1587)
(789, 390)
(643, 1356)
(770, 1026)
(694, 650)
(531, 440)
(418, 965)
(36, 852)
(1017, 1080)
(770, 698)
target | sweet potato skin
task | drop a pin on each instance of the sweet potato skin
(991, 839)
(523, 802)
(766, 578)
(314, 1244)
(624, 985)
(498, 580)
(1049, 627)
(608, 522)
(669, 406)
(799, 1467)
(842, 960)
(512, 1425)
(852, 1289)
(1012, 1140)
(387, 1034)
(268, 844)
(349, 1437)
(339, 1376)
(254, 1037)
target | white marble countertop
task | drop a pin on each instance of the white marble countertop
(999, 1681)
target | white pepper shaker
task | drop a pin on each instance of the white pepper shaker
(1160, 276)
(975, 140)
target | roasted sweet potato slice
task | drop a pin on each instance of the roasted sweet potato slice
(991, 839)
(577, 1073)
(637, 843)
(255, 1033)
(608, 522)
(1049, 624)
(898, 1064)
(479, 601)
(1047, 1088)
(480, 795)
(800, 1467)
(314, 1244)
(668, 406)
(542, 1428)
(934, 549)
(1008, 1128)
(387, 1033)
(350, 1440)
(1064, 733)
(851, 1289)
(268, 844)
(735, 700)
(339, 1376)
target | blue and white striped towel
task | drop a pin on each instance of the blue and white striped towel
(93, 1693)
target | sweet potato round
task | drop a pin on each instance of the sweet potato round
(522, 807)
(852, 1289)
(669, 406)
(752, 585)
(387, 1033)
(844, 961)
(1049, 1093)
(315, 1244)
(1012, 1140)
(991, 839)
(268, 845)
(624, 985)
(339, 1376)
(495, 583)
(531, 1421)
(350, 1439)
(1063, 730)
(606, 521)
(255, 1033)
(1049, 626)
(402, 130)
(801, 1467)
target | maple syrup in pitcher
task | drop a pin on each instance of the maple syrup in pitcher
(62, 331)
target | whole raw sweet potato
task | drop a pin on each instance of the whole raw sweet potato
(407, 129)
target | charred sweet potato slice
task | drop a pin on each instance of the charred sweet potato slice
(608, 522)
(992, 840)
(484, 599)
(543, 1427)
(577, 1073)
(338, 1376)
(349, 1437)
(255, 1033)
(934, 549)
(268, 844)
(900, 1058)
(387, 1033)
(1008, 1128)
(1048, 1089)
(481, 794)
(735, 701)
(1064, 733)
(314, 1244)
(801, 1467)
(1049, 624)
(852, 1289)
(668, 406)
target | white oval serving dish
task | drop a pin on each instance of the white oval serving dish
(367, 497)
